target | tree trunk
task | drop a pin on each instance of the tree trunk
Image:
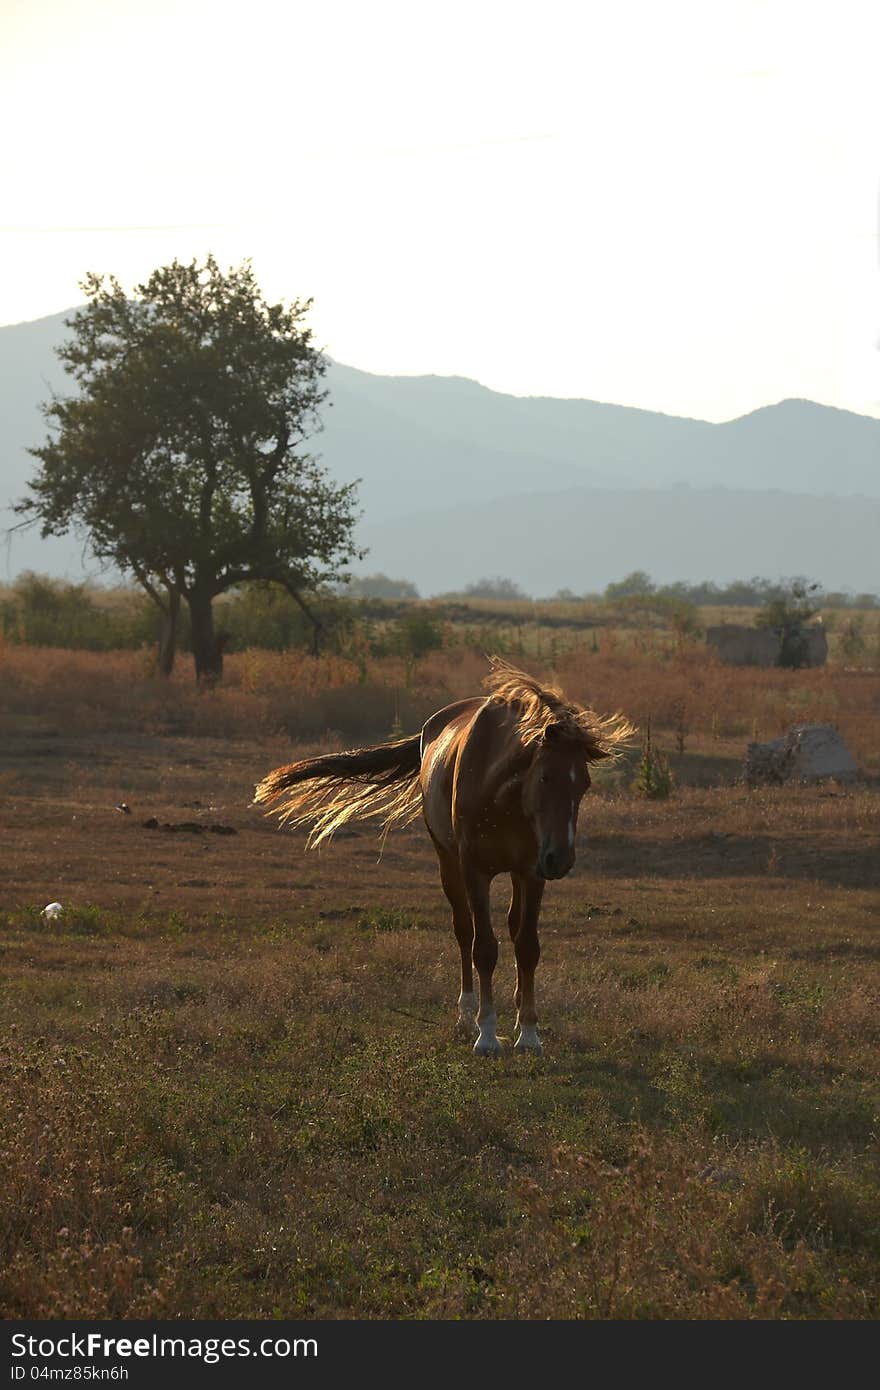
(207, 651)
(168, 633)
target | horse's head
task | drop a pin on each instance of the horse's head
(552, 790)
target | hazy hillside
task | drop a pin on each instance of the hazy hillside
(426, 443)
(485, 444)
(582, 538)
(29, 371)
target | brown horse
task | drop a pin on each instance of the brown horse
(499, 780)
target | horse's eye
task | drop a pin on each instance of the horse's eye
(544, 777)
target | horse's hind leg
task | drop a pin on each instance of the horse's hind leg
(463, 922)
(527, 895)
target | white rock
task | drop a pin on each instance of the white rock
(51, 910)
(807, 753)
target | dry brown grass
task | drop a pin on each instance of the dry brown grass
(230, 1081)
(217, 1111)
(308, 698)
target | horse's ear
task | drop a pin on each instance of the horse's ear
(553, 733)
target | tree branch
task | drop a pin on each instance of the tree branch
(147, 585)
(317, 625)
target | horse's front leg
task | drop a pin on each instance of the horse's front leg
(485, 959)
(528, 893)
(463, 923)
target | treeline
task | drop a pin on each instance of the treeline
(739, 593)
(39, 611)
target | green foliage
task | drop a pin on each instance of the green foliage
(787, 613)
(381, 919)
(739, 593)
(42, 612)
(39, 610)
(380, 586)
(418, 632)
(667, 610)
(654, 778)
(636, 584)
(834, 599)
(180, 457)
(852, 643)
(680, 722)
(806, 1202)
(796, 604)
(494, 587)
(264, 615)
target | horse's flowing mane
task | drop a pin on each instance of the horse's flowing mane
(543, 705)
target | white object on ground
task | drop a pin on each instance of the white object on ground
(51, 910)
(807, 753)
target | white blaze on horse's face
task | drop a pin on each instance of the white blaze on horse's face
(552, 792)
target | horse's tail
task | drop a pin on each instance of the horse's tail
(327, 792)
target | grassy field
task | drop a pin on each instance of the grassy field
(231, 1082)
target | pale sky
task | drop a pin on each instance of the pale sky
(670, 205)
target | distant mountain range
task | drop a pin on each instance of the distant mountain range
(581, 538)
(458, 481)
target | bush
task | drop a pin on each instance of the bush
(265, 615)
(654, 778)
(794, 605)
(667, 610)
(417, 633)
(42, 612)
(852, 644)
(635, 585)
(788, 613)
(380, 586)
(495, 587)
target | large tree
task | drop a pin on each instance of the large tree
(180, 456)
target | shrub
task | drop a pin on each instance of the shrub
(417, 633)
(495, 587)
(851, 643)
(43, 612)
(654, 778)
(636, 584)
(380, 586)
(264, 615)
(794, 605)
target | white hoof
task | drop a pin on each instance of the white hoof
(467, 1012)
(528, 1041)
(487, 1044)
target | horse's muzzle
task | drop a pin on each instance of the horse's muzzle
(552, 864)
